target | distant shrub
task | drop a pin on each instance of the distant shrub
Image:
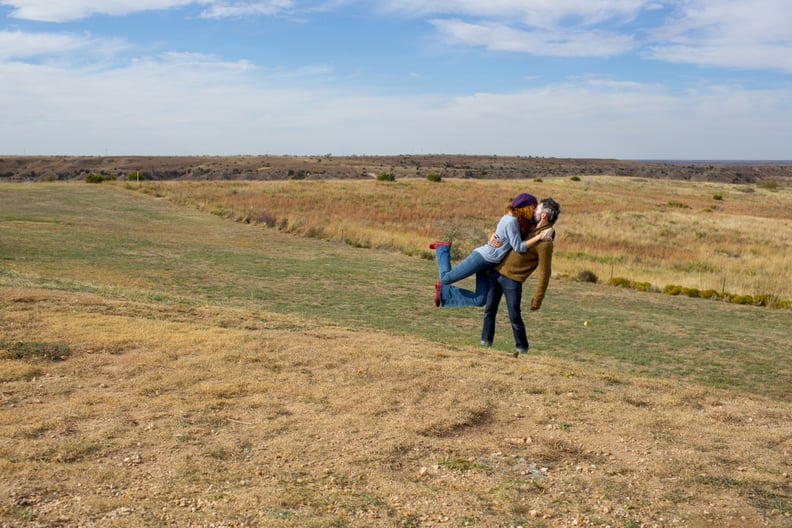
(717, 196)
(386, 176)
(620, 281)
(769, 184)
(635, 285)
(741, 299)
(538, 180)
(434, 177)
(575, 178)
(99, 178)
(771, 301)
(708, 294)
(587, 276)
(679, 204)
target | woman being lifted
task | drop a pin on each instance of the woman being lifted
(518, 218)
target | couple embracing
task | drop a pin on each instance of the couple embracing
(522, 243)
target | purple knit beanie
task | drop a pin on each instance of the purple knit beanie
(524, 200)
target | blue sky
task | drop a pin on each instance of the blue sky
(629, 79)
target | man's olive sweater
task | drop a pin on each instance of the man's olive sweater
(519, 266)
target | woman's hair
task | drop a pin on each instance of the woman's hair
(524, 217)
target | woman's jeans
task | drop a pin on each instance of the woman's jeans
(474, 263)
(498, 286)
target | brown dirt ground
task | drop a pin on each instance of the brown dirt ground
(171, 415)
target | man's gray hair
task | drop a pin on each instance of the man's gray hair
(552, 208)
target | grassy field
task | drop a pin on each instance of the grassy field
(697, 235)
(162, 366)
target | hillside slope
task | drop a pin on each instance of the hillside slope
(162, 366)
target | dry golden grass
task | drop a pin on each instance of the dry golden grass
(723, 237)
(173, 415)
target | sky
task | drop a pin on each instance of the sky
(626, 79)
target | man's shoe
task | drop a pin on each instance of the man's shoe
(519, 351)
(438, 243)
(438, 287)
(486, 343)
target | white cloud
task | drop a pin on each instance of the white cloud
(728, 33)
(557, 43)
(195, 104)
(223, 9)
(729, 54)
(725, 33)
(68, 10)
(539, 13)
(23, 45)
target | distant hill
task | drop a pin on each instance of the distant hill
(42, 168)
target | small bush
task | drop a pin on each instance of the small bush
(575, 178)
(741, 299)
(770, 185)
(770, 301)
(691, 292)
(587, 276)
(679, 204)
(717, 196)
(434, 177)
(620, 281)
(672, 289)
(99, 178)
(386, 176)
(708, 294)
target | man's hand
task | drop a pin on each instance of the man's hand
(535, 307)
(494, 241)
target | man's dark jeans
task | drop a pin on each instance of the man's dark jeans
(498, 286)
